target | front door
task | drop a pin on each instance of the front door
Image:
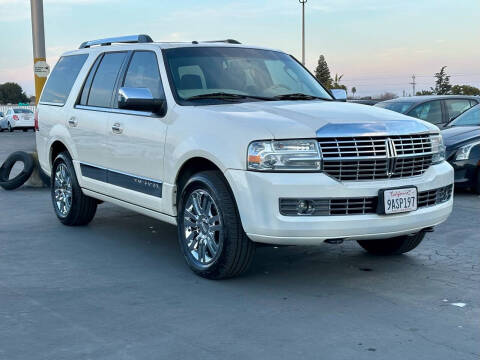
(135, 139)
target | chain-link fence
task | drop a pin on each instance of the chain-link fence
(4, 108)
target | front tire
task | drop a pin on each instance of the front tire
(477, 182)
(210, 232)
(395, 246)
(10, 129)
(71, 206)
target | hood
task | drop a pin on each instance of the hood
(459, 134)
(310, 119)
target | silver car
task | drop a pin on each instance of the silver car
(17, 119)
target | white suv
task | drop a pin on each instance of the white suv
(235, 145)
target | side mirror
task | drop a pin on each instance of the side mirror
(140, 99)
(339, 94)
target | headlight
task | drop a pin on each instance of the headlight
(284, 155)
(464, 152)
(438, 148)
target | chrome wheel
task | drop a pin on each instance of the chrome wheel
(203, 227)
(62, 188)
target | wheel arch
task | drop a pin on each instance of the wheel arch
(56, 148)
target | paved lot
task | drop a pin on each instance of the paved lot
(118, 289)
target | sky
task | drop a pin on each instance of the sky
(376, 44)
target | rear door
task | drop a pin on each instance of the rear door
(455, 107)
(430, 111)
(89, 120)
(135, 139)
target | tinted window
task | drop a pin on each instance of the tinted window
(470, 117)
(430, 111)
(456, 107)
(62, 79)
(143, 73)
(104, 80)
(22, 111)
(397, 106)
(88, 82)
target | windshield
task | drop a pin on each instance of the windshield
(196, 72)
(400, 107)
(468, 118)
(22, 111)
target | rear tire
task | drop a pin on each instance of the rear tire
(71, 206)
(477, 182)
(394, 246)
(10, 129)
(210, 232)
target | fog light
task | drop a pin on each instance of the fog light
(305, 207)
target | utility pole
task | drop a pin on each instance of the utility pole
(303, 29)
(413, 83)
(40, 66)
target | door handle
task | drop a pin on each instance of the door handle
(73, 122)
(117, 128)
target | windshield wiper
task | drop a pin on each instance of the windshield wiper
(227, 96)
(300, 96)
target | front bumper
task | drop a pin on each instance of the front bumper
(257, 195)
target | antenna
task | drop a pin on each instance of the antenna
(413, 83)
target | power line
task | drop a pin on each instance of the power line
(413, 83)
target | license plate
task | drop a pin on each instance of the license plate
(400, 200)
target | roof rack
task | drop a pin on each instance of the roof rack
(130, 39)
(228, 41)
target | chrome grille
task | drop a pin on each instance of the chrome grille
(360, 205)
(376, 157)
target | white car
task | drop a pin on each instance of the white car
(17, 119)
(235, 145)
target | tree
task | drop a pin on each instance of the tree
(424, 92)
(354, 90)
(442, 84)
(387, 96)
(322, 72)
(12, 93)
(336, 82)
(465, 90)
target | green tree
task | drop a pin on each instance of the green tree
(12, 93)
(442, 82)
(336, 82)
(322, 72)
(354, 90)
(465, 90)
(424, 92)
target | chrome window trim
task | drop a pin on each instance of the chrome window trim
(115, 111)
(51, 104)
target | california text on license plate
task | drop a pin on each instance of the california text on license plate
(400, 200)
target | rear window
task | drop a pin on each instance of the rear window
(22, 111)
(62, 79)
(101, 91)
(400, 107)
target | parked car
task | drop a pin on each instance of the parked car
(462, 138)
(17, 118)
(436, 109)
(235, 145)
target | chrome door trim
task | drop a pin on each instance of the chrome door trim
(115, 111)
(125, 180)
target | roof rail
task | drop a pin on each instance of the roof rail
(228, 41)
(120, 39)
